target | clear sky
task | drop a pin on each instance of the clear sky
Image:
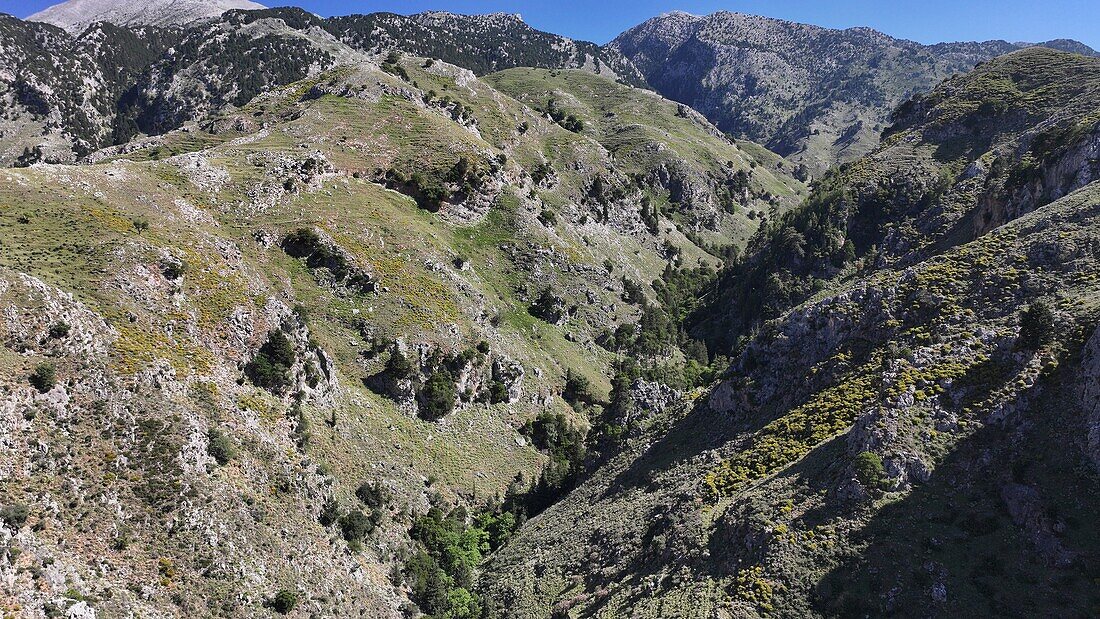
(927, 21)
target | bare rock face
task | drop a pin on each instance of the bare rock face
(76, 15)
(1057, 175)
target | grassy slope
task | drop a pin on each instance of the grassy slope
(215, 198)
(629, 122)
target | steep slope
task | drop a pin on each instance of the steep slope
(76, 15)
(978, 151)
(148, 80)
(481, 43)
(670, 150)
(221, 333)
(59, 92)
(916, 438)
(227, 62)
(816, 95)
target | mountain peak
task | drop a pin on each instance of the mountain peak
(77, 15)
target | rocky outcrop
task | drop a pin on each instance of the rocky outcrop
(1026, 507)
(332, 265)
(427, 381)
(1056, 163)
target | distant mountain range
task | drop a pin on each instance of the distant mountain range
(76, 15)
(816, 95)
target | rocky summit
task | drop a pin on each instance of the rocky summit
(76, 15)
(444, 316)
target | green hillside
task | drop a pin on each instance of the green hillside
(242, 289)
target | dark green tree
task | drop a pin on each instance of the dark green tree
(1036, 326)
(437, 397)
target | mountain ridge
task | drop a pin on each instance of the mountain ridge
(818, 95)
(176, 83)
(76, 15)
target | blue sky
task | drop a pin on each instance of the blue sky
(927, 21)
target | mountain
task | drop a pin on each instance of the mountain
(76, 15)
(481, 43)
(60, 92)
(816, 95)
(440, 316)
(714, 190)
(354, 306)
(914, 435)
(227, 62)
(977, 152)
(174, 74)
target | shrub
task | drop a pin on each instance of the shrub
(499, 527)
(59, 330)
(372, 494)
(462, 604)
(1036, 326)
(438, 395)
(355, 525)
(220, 447)
(548, 307)
(270, 368)
(302, 242)
(429, 193)
(14, 515)
(869, 470)
(284, 601)
(330, 513)
(565, 120)
(44, 377)
(398, 365)
(428, 583)
(577, 388)
(548, 218)
(173, 268)
(632, 292)
(541, 172)
(498, 392)
(390, 65)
